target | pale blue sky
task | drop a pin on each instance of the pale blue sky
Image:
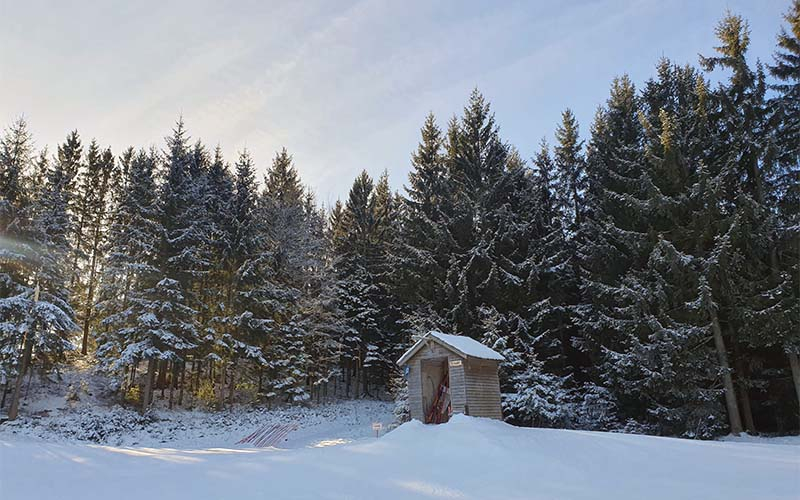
(344, 86)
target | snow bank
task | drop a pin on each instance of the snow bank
(466, 458)
(746, 438)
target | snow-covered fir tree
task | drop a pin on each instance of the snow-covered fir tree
(353, 246)
(292, 244)
(131, 272)
(785, 120)
(36, 318)
(569, 163)
(93, 201)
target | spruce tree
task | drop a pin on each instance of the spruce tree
(785, 108)
(668, 364)
(477, 161)
(353, 233)
(37, 319)
(747, 237)
(16, 155)
(424, 244)
(58, 200)
(319, 315)
(182, 197)
(220, 234)
(284, 213)
(293, 250)
(389, 344)
(612, 238)
(183, 252)
(91, 212)
(531, 395)
(570, 169)
(247, 318)
(128, 330)
(552, 279)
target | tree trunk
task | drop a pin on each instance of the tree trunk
(161, 383)
(232, 384)
(126, 380)
(747, 411)
(192, 372)
(730, 392)
(198, 369)
(3, 400)
(794, 358)
(744, 393)
(78, 244)
(222, 386)
(26, 359)
(133, 375)
(347, 373)
(87, 315)
(28, 385)
(794, 363)
(173, 379)
(183, 381)
(575, 202)
(148, 385)
(356, 381)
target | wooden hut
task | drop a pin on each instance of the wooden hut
(449, 374)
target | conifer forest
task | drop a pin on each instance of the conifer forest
(639, 273)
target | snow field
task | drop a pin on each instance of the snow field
(466, 458)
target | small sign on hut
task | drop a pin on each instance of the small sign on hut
(451, 374)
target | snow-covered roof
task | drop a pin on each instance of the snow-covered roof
(461, 345)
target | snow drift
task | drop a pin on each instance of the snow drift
(465, 458)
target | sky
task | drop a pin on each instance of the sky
(344, 85)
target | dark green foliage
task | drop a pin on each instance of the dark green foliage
(362, 236)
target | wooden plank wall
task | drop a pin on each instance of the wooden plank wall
(483, 388)
(415, 390)
(458, 385)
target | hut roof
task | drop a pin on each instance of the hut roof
(461, 345)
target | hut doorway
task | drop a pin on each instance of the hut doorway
(435, 390)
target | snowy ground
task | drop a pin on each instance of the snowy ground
(342, 422)
(332, 456)
(92, 416)
(746, 438)
(85, 447)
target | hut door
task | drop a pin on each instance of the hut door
(433, 373)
